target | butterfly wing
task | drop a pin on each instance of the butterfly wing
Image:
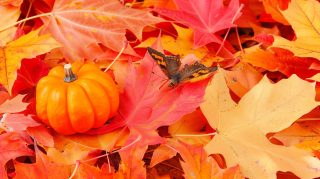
(168, 64)
(195, 70)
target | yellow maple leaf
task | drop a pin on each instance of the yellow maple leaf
(9, 15)
(27, 46)
(272, 8)
(241, 128)
(183, 45)
(304, 18)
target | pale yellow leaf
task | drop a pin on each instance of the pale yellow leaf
(304, 17)
(265, 108)
(217, 99)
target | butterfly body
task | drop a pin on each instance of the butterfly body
(175, 79)
(171, 67)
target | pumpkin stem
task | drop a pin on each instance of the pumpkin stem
(69, 75)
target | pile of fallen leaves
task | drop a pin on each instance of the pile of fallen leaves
(257, 116)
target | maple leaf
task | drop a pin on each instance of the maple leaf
(205, 17)
(27, 46)
(30, 72)
(169, 4)
(281, 60)
(41, 135)
(66, 151)
(89, 171)
(131, 161)
(16, 3)
(4, 95)
(13, 145)
(43, 168)
(191, 124)
(303, 17)
(162, 153)
(184, 41)
(197, 164)
(241, 78)
(272, 7)
(241, 128)
(9, 16)
(69, 149)
(17, 122)
(304, 135)
(148, 107)
(13, 105)
(81, 25)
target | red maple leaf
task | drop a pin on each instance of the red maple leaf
(205, 17)
(13, 145)
(148, 104)
(30, 72)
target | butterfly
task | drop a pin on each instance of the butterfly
(170, 65)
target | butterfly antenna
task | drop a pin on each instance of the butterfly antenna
(152, 72)
(165, 82)
(232, 21)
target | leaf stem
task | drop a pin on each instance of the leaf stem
(24, 20)
(75, 169)
(119, 150)
(232, 21)
(195, 135)
(119, 54)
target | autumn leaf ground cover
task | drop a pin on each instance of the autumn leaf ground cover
(159, 89)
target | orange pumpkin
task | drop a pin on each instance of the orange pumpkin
(76, 99)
